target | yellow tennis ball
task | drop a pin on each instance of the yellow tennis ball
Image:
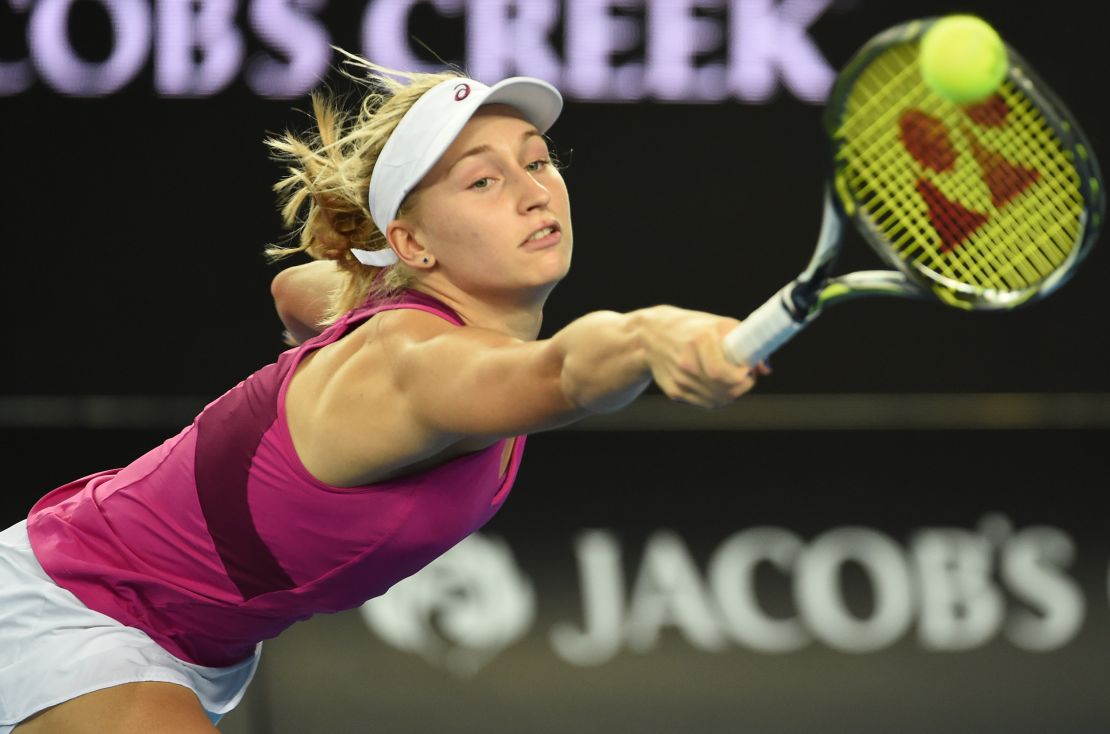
(963, 59)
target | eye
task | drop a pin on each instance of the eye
(482, 183)
(538, 165)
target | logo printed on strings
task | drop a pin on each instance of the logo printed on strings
(928, 140)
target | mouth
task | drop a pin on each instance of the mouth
(545, 236)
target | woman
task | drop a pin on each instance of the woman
(136, 600)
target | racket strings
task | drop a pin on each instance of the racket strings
(875, 192)
(985, 198)
(912, 240)
(884, 196)
(1042, 249)
(902, 225)
(992, 268)
(966, 259)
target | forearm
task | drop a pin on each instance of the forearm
(609, 358)
(478, 382)
(604, 364)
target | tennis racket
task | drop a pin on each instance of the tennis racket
(981, 207)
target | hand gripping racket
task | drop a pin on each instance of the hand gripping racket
(984, 206)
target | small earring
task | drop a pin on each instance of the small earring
(425, 261)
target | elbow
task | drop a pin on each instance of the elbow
(280, 288)
(298, 307)
(587, 399)
(282, 291)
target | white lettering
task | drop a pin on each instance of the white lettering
(471, 603)
(509, 37)
(59, 64)
(732, 576)
(288, 25)
(769, 40)
(820, 597)
(385, 34)
(961, 608)
(593, 36)
(612, 50)
(186, 27)
(16, 76)
(675, 37)
(669, 591)
(602, 584)
(1031, 566)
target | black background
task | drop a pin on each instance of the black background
(134, 227)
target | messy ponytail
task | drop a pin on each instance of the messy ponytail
(323, 197)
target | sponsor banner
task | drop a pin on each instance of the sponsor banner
(661, 581)
(945, 588)
(595, 50)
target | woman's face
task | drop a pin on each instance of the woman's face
(494, 212)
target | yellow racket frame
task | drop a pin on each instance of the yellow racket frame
(1022, 246)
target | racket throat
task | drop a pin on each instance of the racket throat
(802, 299)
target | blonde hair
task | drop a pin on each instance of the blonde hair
(323, 199)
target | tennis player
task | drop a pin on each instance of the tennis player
(136, 599)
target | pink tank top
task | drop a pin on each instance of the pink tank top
(220, 538)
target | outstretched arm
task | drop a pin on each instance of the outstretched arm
(475, 382)
(429, 385)
(678, 349)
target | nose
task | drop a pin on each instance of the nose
(533, 194)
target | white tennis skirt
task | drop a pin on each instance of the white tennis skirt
(53, 648)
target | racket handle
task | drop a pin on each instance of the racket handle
(764, 331)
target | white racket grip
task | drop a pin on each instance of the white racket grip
(764, 331)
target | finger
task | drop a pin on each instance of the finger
(725, 324)
(680, 392)
(742, 387)
(695, 391)
(683, 380)
(724, 377)
(689, 372)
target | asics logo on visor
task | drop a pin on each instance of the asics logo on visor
(462, 91)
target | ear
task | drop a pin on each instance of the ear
(403, 237)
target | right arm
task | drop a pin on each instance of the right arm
(618, 355)
(474, 382)
(429, 385)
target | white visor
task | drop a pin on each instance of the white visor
(427, 131)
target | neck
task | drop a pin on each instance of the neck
(519, 317)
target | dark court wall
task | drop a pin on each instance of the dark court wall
(136, 221)
(914, 567)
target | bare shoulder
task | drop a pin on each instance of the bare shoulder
(346, 397)
(342, 400)
(408, 387)
(472, 383)
(410, 327)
